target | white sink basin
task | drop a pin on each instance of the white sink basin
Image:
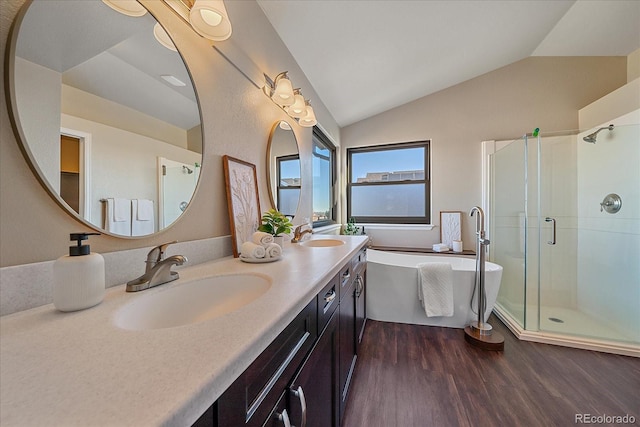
(191, 302)
(322, 243)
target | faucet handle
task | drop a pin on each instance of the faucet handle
(156, 254)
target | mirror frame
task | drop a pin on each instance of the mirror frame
(272, 190)
(12, 106)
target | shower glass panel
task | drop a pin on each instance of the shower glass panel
(507, 224)
(589, 280)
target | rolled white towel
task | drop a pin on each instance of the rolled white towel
(252, 250)
(262, 238)
(273, 250)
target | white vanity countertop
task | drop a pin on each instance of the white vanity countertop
(78, 369)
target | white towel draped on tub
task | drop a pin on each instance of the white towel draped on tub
(435, 288)
(142, 222)
(117, 218)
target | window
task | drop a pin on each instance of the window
(288, 184)
(324, 166)
(389, 183)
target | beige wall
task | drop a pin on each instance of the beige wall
(237, 119)
(544, 92)
(633, 65)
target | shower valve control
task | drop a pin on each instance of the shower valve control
(612, 203)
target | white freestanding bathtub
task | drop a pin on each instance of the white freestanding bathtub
(392, 288)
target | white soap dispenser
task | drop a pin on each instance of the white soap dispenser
(78, 277)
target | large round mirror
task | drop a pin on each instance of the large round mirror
(283, 169)
(106, 113)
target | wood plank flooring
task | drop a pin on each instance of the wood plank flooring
(408, 375)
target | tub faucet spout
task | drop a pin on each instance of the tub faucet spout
(479, 219)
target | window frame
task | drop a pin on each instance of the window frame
(319, 138)
(426, 219)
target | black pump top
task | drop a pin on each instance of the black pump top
(80, 250)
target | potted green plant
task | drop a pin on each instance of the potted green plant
(351, 229)
(276, 224)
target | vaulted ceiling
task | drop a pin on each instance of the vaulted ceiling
(364, 57)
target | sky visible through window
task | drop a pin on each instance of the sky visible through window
(290, 169)
(405, 159)
(321, 182)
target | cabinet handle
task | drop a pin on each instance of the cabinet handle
(299, 393)
(284, 417)
(330, 296)
(359, 286)
(345, 278)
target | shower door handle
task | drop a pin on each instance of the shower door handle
(553, 229)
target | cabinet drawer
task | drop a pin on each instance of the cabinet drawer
(250, 399)
(328, 299)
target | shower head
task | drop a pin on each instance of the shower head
(591, 138)
(187, 170)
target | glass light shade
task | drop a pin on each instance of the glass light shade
(283, 95)
(126, 7)
(299, 108)
(209, 18)
(309, 119)
(163, 38)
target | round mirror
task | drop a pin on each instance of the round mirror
(106, 113)
(283, 169)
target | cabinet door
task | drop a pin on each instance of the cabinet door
(361, 309)
(316, 387)
(347, 341)
(250, 399)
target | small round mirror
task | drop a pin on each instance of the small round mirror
(283, 169)
(106, 114)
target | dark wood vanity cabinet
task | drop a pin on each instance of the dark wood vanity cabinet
(360, 270)
(304, 374)
(249, 401)
(347, 351)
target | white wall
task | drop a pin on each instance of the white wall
(40, 103)
(130, 176)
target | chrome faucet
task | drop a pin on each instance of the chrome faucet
(298, 233)
(480, 232)
(158, 269)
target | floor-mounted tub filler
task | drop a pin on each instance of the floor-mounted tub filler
(479, 333)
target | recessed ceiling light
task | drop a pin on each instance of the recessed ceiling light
(173, 80)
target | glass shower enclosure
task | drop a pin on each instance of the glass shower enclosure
(564, 221)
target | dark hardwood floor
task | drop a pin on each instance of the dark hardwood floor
(408, 375)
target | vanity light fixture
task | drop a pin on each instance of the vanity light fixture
(163, 38)
(126, 7)
(209, 18)
(280, 91)
(283, 93)
(309, 119)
